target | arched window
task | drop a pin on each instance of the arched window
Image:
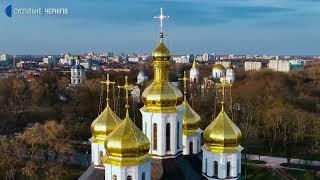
(79, 81)
(168, 137)
(190, 147)
(145, 128)
(198, 146)
(101, 155)
(239, 165)
(215, 169)
(129, 177)
(143, 177)
(205, 166)
(155, 136)
(114, 177)
(178, 132)
(228, 169)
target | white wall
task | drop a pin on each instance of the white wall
(196, 141)
(194, 75)
(216, 74)
(222, 159)
(122, 172)
(161, 119)
(77, 76)
(96, 150)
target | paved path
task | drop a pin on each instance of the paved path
(275, 162)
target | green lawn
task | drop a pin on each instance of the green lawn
(303, 175)
(301, 166)
(296, 173)
(258, 173)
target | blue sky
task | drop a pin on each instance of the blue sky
(195, 26)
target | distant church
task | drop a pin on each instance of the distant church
(78, 75)
(169, 144)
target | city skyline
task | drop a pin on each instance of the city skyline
(233, 27)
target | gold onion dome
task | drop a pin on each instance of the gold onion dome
(104, 124)
(161, 95)
(161, 53)
(218, 67)
(222, 135)
(190, 119)
(126, 145)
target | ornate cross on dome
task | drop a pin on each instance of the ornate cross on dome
(184, 79)
(223, 84)
(161, 17)
(127, 87)
(107, 83)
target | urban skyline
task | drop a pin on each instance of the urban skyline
(232, 27)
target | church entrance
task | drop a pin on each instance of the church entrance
(191, 148)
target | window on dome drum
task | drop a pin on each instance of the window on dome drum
(168, 137)
(74, 81)
(198, 146)
(155, 136)
(101, 155)
(145, 128)
(238, 168)
(215, 169)
(228, 169)
(206, 166)
(143, 176)
(178, 146)
(79, 81)
(129, 177)
(191, 147)
(114, 177)
(78, 73)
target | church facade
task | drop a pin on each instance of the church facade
(170, 138)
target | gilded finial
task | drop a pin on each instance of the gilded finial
(127, 87)
(194, 64)
(161, 17)
(107, 83)
(223, 85)
(184, 79)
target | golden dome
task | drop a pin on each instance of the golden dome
(190, 119)
(222, 134)
(104, 124)
(161, 53)
(161, 95)
(126, 145)
(218, 67)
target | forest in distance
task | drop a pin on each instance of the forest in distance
(278, 114)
